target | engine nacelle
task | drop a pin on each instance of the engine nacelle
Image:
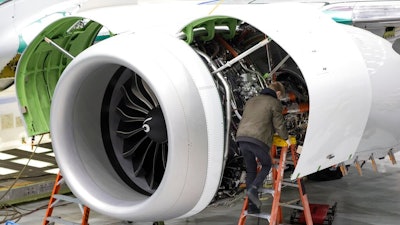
(140, 122)
(161, 128)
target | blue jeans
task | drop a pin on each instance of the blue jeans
(250, 152)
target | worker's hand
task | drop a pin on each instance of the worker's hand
(288, 142)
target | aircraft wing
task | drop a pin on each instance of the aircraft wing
(143, 103)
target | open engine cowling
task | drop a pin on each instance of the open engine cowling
(139, 121)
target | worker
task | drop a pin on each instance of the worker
(262, 117)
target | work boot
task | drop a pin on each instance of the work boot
(252, 209)
(252, 194)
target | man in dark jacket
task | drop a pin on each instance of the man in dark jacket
(262, 117)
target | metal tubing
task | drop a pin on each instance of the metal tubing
(48, 40)
(244, 54)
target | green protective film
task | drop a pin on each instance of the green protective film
(42, 64)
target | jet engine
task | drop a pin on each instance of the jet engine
(143, 123)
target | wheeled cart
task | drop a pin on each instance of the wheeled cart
(321, 214)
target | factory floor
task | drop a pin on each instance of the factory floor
(370, 199)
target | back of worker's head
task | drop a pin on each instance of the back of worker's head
(278, 87)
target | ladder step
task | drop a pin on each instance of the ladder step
(267, 191)
(288, 180)
(265, 216)
(291, 206)
(67, 198)
(290, 184)
(276, 166)
(53, 219)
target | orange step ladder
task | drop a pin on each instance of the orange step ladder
(275, 217)
(55, 198)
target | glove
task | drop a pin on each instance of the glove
(288, 142)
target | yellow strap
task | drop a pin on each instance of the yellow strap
(280, 142)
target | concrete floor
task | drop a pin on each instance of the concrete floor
(371, 199)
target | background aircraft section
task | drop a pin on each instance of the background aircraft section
(21, 21)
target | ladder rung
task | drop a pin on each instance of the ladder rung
(276, 166)
(267, 191)
(260, 215)
(291, 206)
(67, 198)
(288, 158)
(60, 182)
(288, 180)
(53, 219)
(290, 184)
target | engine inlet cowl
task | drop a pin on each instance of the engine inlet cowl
(133, 131)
